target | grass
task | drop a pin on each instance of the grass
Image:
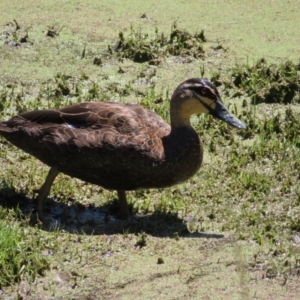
(138, 47)
(23, 249)
(263, 82)
(232, 231)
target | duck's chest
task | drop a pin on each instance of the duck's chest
(183, 155)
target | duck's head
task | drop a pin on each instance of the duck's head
(196, 96)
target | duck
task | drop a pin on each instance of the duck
(119, 146)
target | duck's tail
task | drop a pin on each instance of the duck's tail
(4, 128)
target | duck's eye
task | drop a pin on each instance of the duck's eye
(204, 91)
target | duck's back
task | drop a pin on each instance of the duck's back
(118, 146)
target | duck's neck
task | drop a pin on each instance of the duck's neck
(179, 115)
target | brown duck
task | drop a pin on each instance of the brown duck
(119, 146)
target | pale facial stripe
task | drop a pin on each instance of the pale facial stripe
(208, 103)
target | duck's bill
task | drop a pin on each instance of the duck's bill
(221, 112)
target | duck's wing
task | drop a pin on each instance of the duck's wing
(88, 125)
(125, 118)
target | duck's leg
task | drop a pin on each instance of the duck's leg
(123, 212)
(44, 191)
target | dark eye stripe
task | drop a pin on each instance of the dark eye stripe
(205, 91)
(203, 88)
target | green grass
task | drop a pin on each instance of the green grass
(263, 82)
(23, 250)
(140, 48)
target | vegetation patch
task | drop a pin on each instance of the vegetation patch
(139, 47)
(263, 82)
(23, 250)
(14, 35)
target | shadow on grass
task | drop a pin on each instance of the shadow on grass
(91, 220)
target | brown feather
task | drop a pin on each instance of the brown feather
(117, 146)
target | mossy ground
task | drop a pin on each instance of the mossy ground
(233, 230)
